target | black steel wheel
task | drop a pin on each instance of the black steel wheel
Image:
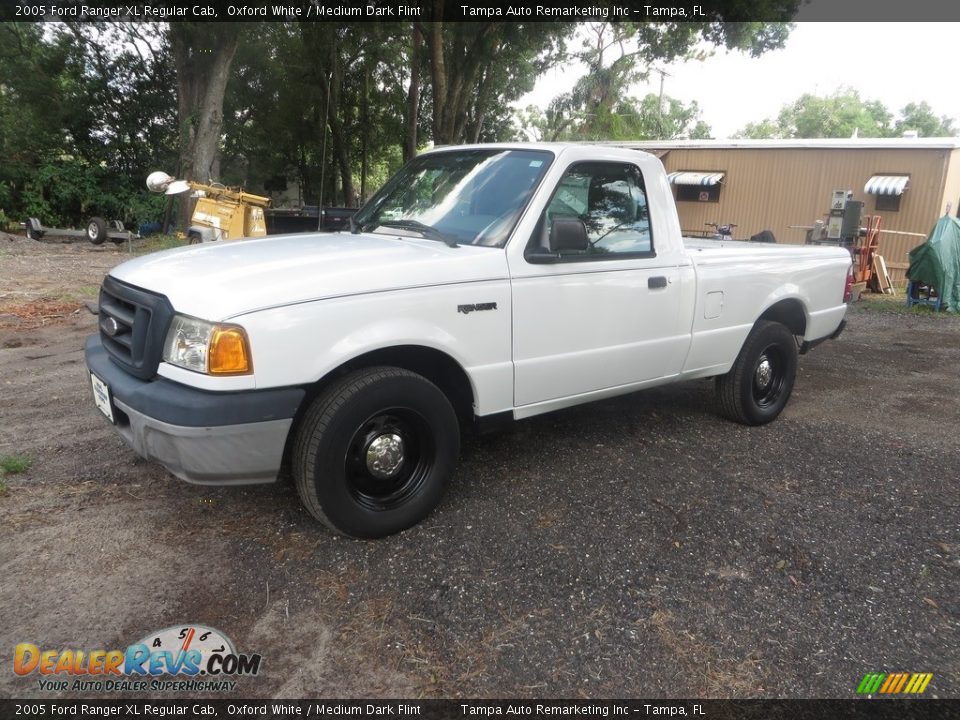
(389, 458)
(97, 230)
(373, 452)
(759, 384)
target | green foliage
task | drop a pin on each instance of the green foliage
(80, 125)
(617, 55)
(156, 243)
(13, 464)
(920, 118)
(845, 114)
(87, 110)
(630, 119)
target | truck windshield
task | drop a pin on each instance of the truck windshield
(469, 197)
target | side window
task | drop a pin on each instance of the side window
(611, 202)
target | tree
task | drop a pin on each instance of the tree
(763, 130)
(845, 114)
(84, 116)
(920, 118)
(839, 115)
(202, 55)
(477, 67)
(651, 117)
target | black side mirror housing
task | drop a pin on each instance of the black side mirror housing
(568, 233)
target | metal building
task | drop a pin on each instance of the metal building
(773, 184)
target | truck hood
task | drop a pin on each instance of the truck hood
(218, 281)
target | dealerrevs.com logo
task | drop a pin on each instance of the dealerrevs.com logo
(179, 658)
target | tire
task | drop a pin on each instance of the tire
(97, 230)
(117, 226)
(759, 384)
(32, 228)
(194, 238)
(338, 476)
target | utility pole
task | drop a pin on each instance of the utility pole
(663, 74)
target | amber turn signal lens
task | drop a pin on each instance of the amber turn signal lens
(229, 352)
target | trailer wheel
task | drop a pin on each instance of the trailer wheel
(32, 227)
(97, 230)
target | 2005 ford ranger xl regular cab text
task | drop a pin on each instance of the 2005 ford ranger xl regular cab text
(481, 283)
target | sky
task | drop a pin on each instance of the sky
(895, 63)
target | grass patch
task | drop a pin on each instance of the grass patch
(11, 465)
(156, 243)
(895, 305)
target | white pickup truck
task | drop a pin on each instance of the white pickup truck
(481, 283)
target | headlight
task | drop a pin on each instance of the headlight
(211, 348)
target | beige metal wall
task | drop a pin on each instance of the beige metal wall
(773, 188)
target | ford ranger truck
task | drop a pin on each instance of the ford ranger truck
(481, 283)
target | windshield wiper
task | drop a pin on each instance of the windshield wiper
(428, 231)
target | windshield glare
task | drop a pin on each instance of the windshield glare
(473, 197)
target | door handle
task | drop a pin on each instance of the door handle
(657, 282)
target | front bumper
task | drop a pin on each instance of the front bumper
(210, 438)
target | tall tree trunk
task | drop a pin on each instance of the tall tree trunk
(203, 54)
(456, 56)
(365, 131)
(438, 72)
(413, 95)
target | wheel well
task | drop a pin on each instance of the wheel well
(789, 313)
(436, 366)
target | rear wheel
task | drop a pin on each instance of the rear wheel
(32, 227)
(373, 452)
(97, 230)
(759, 384)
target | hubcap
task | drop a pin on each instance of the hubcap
(385, 455)
(764, 373)
(768, 377)
(389, 458)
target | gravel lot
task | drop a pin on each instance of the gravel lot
(640, 547)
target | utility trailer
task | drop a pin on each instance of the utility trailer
(97, 231)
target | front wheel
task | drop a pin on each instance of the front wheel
(373, 452)
(759, 384)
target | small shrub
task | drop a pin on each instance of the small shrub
(13, 464)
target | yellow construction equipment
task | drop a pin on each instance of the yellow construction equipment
(221, 213)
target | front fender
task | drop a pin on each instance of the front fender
(303, 343)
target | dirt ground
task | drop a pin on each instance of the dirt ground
(640, 547)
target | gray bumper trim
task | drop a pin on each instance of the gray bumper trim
(222, 455)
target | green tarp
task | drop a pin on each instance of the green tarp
(937, 262)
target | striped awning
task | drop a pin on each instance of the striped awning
(886, 184)
(695, 178)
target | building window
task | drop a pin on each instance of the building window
(887, 190)
(888, 203)
(698, 193)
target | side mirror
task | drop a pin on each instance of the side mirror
(568, 234)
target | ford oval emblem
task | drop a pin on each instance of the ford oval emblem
(110, 326)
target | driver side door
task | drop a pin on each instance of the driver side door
(600, 317)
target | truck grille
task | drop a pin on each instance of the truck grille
(133, 326)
